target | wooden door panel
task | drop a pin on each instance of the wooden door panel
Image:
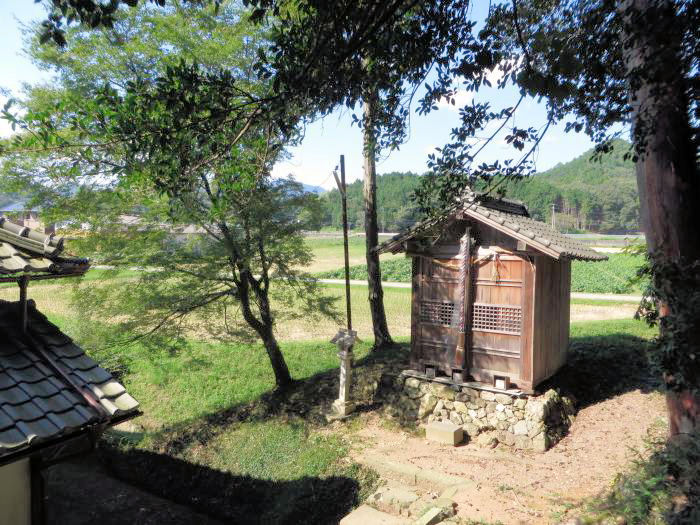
(496, 320)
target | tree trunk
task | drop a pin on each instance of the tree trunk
(669, 190)
(374, 274)
(264, 329)
(279, 366)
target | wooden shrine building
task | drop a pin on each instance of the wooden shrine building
(490, 297)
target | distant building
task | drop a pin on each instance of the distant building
(19, 213)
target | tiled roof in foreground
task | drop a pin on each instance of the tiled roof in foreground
(23, 250)
(506, 217)
(38, 402)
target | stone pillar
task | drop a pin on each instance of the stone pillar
(343, 406)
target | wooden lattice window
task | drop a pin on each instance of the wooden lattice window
(437, 312)
(502, 318)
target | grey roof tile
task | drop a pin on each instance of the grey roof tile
(16, 361)
(11, 439)
(81, 362)
(5, 420)
(23, 412)
(507, 218)
(36, 402)
(96, 375)
(72, 418)
(24, 250)
(39, 428)
(6, 380)
(57, 403)
(14, 395)
(109, 389)
(29, 375)
(43, 388)
(125, 402)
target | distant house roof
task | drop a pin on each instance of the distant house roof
(509, 217)
(49, 387)
(23, 250)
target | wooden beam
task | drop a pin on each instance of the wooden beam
(23, 283)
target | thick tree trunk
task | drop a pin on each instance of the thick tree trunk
(667, 179)
(374, 274)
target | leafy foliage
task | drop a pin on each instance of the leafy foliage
(672, 301)
(659, 489)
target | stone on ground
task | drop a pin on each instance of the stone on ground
(444, 432)
(366, 515)
(396, 499)
(430, 517)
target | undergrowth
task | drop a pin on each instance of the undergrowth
(661, 487)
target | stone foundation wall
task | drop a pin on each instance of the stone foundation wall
(519, 421)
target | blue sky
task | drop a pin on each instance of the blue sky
(313, 161)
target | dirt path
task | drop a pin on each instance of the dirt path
(529, 488)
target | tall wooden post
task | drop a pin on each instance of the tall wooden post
(464, 280)
(345, 338)
(343, 196)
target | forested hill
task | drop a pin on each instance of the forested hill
(588, 195)
(598, 196)
(395, 207)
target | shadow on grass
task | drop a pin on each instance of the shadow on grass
(199, 494)
(308, 399)
(601, 367)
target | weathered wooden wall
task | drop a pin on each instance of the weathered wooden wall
(518, 301)
(551, 316)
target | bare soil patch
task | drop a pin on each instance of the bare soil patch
(529, 488)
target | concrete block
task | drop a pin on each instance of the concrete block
(444, 432)
(366, 515)
(432, 516)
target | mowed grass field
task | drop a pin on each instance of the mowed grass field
(329, 254)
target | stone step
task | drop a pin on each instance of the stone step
(411, 475)
(366, 515)
(396, 499)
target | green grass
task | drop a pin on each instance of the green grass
(329, 253)
(611, 276)
(276, 450)
(176, 385)
(186, 393)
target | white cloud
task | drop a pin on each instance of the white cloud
(496, 73)
(461, 98)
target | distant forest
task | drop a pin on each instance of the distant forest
(588, 195)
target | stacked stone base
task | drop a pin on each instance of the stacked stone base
(487, 417)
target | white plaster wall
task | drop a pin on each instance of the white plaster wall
(15, 493)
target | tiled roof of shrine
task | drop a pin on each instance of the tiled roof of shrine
(509, 217)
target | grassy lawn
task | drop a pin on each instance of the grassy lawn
(209, 414)
(211, 420)
(329, 255)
